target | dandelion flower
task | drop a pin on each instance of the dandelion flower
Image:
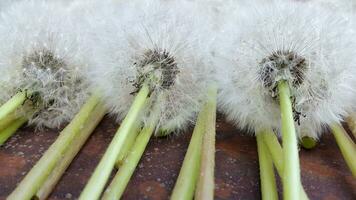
(41, 57)
(281, 46)
(152, 59)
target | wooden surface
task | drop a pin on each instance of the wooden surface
(324, 173)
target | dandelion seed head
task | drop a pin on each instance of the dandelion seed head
(309, 47)
(42, 55)
(150, 42)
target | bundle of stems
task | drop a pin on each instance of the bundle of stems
(89, 126)
(48, 170)
(275, 152)
(196, 177)
(267, 177)
(287, 158)
(99, 178)
(128, 144)
(127, 131)
(345, 143)
(290, 171)
(132, 158)
(7, 132)
(9, 119)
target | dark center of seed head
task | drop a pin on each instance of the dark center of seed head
(158, 69)
(283, 65)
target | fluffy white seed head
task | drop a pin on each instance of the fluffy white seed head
(40, 53)
(4, 4)
(215, 11)
(347, 8)
(336, 5)
(309, 47)
(149, 42)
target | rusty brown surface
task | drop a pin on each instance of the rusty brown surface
(324, 173)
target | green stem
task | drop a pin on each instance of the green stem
(346, 146)
(189, 173)
(291, 176)
(122, 177)
(206, 182)
(11, 129)
(44, 167)
(97, 182)
(133, 156)
(268, 180)
(276, 153)
(275, 150)
(11, 105)
(89, 126)
(351, 122)
(8, 120)
(128, 144)
(308, 142)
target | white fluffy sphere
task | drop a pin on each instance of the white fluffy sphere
(156, 43)
(309, 47)
(42, 53)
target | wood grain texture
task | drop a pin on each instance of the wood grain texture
(324, 173)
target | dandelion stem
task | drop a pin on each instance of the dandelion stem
(206, 182)
(97, 182)
(351, 122)
(128, 144)
(291, 176)
(11, 105)
(89, 126)
(11, 129)
(276, 153)
(8, 121)
(346, 146)
(189, 173)
(268, 180)
(308, 142)
(122, 177)
(275, 150)
(133, 156)
(44, 167)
